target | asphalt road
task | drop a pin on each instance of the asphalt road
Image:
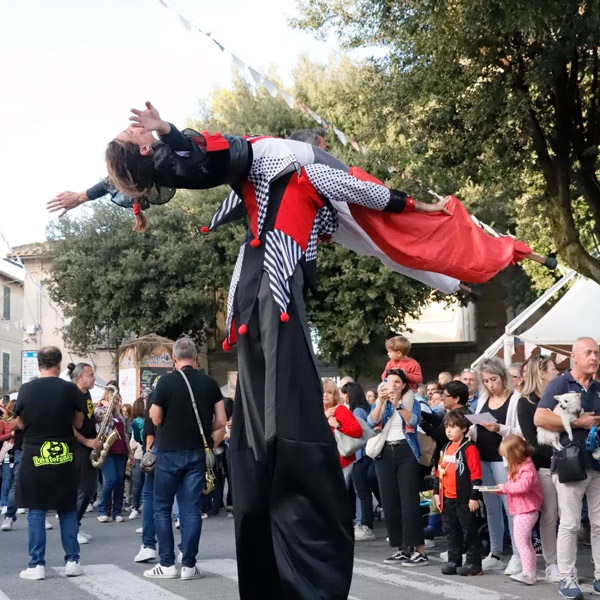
(111, 574)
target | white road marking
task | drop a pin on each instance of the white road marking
(109, 582)
(3, 596)
(225, 567)
(425, 583)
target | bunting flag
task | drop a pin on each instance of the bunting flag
(258, 78)
(271, 87)
(341, 136)
(239, 63)
(289, 100)
(186, 24)
(315, 116)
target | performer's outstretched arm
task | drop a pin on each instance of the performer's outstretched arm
(343, 187)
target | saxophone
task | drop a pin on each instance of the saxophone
(97, 457)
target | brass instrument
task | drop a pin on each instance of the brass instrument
(97, 457)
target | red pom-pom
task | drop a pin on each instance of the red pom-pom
(205, 229)
(410, 204)
(226, 346)
(243, 329)
(285, 317)
(255, 243)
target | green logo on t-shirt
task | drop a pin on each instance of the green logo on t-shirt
(53, 453)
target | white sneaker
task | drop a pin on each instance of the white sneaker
(8, 524)
(103, 519)
(21, 511)
(429, 544)
(73, 569)
(526, 578)
(191, 573)
(95, 504)
(48, 525)
(139, 530)
(81, 539)
(4, 509)
(145, 554)
(33, 573)
(205, 515)
(491, 563)
(87, 536)
(514, 566)
(552, 574)
(179, 557)
(134, 514)
(89, 508)
(362, 533)
(160, 572)
(119, 519)
(444, 557)
(177, 524)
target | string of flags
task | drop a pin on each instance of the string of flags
(259, 79)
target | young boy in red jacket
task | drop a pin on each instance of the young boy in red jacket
(459, 471)
(398, 348)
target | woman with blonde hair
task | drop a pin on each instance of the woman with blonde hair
(339, 417)
(541, 371)
(496, 397)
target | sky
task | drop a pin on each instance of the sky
(70, 70)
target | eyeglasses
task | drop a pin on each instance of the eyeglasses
(446, 395)
(467, 371)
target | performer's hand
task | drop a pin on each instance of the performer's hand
(149, 120)
(493, 427)
(65, 201)
(131, 461)
(437, 501)
(424, 207)
(473, 505)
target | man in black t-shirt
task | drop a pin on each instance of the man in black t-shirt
(83, 377)
(180, 462)
(47, 409)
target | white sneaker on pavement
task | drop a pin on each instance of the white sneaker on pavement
(4, 509)
(21, 511)
(89, 508)
(139, 530)
(526, 578)
(160, 572)
(102, 519)
(134, 514)
(191, 573)
(514, 566)
(81, 539)
(87, 536)
(552, 573)
(73, 569)
(492, 563)
(362, 533)
(33, 573)
(145, 554)
(48, 525)
(8, 524)
(429, 544)
(177, 524)
(119, 519)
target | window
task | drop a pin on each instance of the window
(6, 304)
(5, 371)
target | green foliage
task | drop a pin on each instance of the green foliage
(495, 100)
(111, 282)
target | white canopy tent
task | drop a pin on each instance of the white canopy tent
(574, 315)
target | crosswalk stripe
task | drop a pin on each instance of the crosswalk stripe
(425, 583)
(225, 567)
(109, 582)
(3, 596)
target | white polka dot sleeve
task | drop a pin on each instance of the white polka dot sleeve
(338, 185)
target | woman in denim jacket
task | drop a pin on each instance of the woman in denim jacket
(398, 470)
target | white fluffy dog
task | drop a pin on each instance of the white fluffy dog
(568, 409)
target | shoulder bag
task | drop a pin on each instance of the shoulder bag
(375, 444)
(347, 446)
(209, 483)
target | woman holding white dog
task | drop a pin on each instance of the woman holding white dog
(497, 398)
(540, 372)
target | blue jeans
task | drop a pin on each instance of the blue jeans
(7, 477)
(178, 473)
(137, 482)
(113, 472)
(36, 520)
(148, 529)
(494, 473)
(11, 505)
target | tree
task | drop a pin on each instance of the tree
(494, 96)
(111, 282)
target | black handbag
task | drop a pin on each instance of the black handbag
(568, 464)
(148, 462)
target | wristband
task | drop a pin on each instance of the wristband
(137, 209)
(410, 204)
